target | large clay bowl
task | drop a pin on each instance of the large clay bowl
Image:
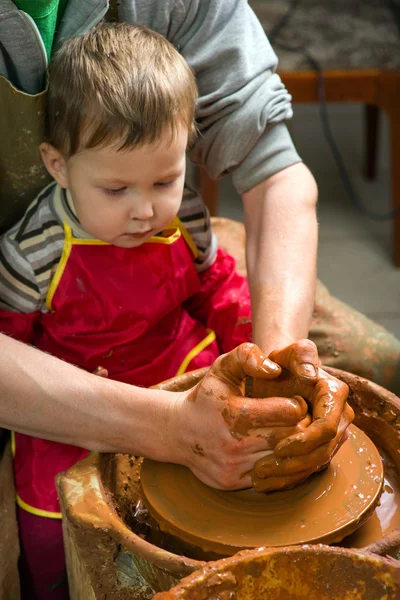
(99, 497)
(293, 573)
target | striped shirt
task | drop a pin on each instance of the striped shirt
(31, 250)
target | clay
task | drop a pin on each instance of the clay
(310, 450)
(326, 507)
(388, 546)
(386, 517)
(298, 573)
(101, 543)
(282, 402)
(84, 500)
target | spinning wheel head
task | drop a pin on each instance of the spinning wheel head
(327, 507)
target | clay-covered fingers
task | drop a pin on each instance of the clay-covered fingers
(271, 436)
(246, 414)
(271, 466)
(245, 360)
(212, 478)
(231, 469)
(274, 484)
(300, 358)
(330, 408)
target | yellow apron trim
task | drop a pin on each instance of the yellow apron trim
(31, 509)
(171, 239)
(37, 511)
(154, 239)
(176, 222)
(61, 266)
(82, 242)
(13, 443)
(195, 351)
(176, 225)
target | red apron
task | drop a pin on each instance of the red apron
(123, 309)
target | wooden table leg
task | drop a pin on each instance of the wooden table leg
(371, 140)
(209, 190)
(389, 100)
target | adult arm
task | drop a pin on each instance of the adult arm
(281, 252)
(243, 104)
(45, 397)
(241, 114)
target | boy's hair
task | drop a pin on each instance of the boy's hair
(118, 85)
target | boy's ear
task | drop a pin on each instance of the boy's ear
(55, 163)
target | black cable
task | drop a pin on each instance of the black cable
(283, 21)
(326, 127)
(395, 8)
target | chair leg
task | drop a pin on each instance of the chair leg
(371, 140)
(388, 100)
(209, 190)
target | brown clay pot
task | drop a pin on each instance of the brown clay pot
(107, 559)
(293, 573)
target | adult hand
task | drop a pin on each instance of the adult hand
(223, 433)
(298, 456)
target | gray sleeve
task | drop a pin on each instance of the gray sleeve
(243, 103)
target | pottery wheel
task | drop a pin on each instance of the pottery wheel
(327, 507)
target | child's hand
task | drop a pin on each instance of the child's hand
(300, 455)
(224, 433)
(100, 372)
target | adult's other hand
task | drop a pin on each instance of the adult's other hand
(303, 453)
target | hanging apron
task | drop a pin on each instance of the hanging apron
(22, 173)
(122, 309)
(22, 124)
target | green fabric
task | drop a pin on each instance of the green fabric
(47, 15)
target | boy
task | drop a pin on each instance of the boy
(114, 264)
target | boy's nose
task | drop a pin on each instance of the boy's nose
(142, 210)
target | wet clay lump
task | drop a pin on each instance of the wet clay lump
(325, 508)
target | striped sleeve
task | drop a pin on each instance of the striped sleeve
(194, 215)
(29, 253)
(19, 291)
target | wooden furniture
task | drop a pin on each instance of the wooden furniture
(208, 189)
(9, 543)
(357, 44)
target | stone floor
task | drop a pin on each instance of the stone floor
(354, 251)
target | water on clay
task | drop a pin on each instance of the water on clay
(384, 519)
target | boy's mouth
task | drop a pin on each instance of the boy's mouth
(138, 234)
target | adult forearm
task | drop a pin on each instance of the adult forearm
(46, 397)
(281, 228)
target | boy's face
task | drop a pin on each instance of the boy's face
(125, 197)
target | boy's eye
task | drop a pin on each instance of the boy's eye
(112, 192)
(165, 183)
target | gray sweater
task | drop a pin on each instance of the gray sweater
(242, 104)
